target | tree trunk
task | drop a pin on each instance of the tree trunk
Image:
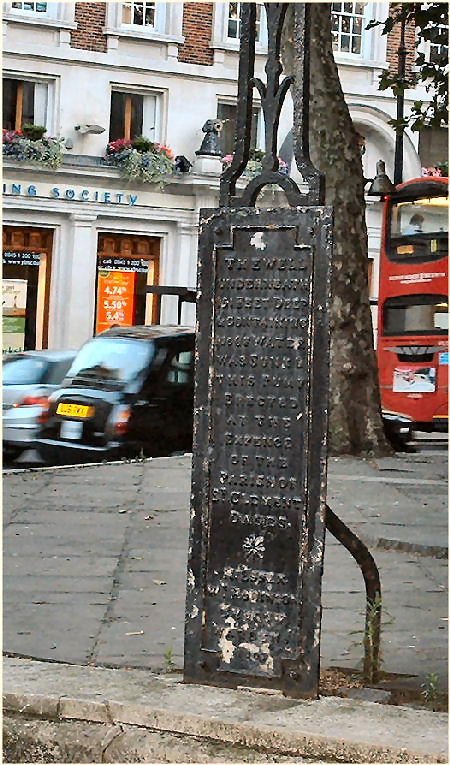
(355, 424)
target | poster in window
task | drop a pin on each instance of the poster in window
(14, 304)
(115, 299)
(418, 380)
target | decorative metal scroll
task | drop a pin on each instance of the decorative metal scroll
(260, 420)
(272, 95)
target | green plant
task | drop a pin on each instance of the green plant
(371, 638)
(34, 132)
(142, 144)
(170, 664)
(429, 689)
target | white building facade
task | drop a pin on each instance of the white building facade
(87, 72)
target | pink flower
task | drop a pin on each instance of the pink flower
(118, 145)
(431, 171)
(9, 135)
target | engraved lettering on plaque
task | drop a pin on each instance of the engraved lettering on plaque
(260, 347)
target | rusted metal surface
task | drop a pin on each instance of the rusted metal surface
(259, 462)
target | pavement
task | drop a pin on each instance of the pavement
(94, 585)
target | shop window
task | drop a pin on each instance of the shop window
(24, 102)
(25, 287)
(132, 115)
(347, 21)
(228, 113)
(126, 266)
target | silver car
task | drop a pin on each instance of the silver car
(29, 377)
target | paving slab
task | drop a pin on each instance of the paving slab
(117, 555)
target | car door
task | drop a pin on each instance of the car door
(162, 417)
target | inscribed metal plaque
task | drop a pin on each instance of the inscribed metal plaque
(256, 504)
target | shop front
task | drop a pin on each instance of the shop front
(80, 252)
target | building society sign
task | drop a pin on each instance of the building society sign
(75, 193)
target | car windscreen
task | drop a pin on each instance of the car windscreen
(24, 370)
(112, 359)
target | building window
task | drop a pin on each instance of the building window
(30, 7)
(347, 27)
(227, 112)
(141, 14)
(234, 21)
(24, 102)
(132, 115)
(438, 50)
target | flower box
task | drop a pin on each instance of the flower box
(141, 159)
(44, 151)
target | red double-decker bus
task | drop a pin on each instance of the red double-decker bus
(413, 306)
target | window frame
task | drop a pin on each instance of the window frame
(373, 43)
(228, 101)
(38, 14)
(261, 24)
(158, 95)
(49, 83)
(58, 14)
(220, 30)
(168, 25)
(343, 14)
(159, 10)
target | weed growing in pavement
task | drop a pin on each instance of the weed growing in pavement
(429, 689)
(372, 652)
(374, 659)
(170, 664)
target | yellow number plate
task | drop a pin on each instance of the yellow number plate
(74, 410)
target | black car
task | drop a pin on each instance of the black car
(128, 392)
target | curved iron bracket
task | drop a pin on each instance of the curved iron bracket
(369, 570)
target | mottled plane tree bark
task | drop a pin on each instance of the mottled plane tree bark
(355, 424)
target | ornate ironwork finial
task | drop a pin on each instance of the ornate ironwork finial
(273, 94)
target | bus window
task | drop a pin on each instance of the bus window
(415, 315)
(422, 216)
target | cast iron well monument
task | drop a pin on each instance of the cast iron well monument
(259, 459)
